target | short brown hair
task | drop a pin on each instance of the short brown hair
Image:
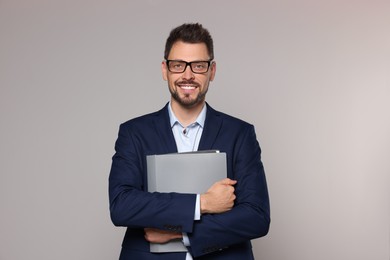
(190, 33)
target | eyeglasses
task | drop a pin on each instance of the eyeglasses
(179, 66)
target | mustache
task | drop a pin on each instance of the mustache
(187, 82)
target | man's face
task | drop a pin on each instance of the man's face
(188, 89)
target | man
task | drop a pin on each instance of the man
(218, 224)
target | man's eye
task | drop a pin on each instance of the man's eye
(177, 65)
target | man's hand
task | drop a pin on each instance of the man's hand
(160, 236)
(219, 198)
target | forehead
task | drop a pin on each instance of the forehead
(188, 51)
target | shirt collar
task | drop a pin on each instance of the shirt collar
(200, 119)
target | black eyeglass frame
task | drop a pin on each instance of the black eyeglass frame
(189, 64)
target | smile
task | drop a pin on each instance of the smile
(187, 87)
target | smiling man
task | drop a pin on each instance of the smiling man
(218, 224)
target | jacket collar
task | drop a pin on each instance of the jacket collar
(164, 131)
(211, 129)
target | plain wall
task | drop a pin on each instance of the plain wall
(312, 76)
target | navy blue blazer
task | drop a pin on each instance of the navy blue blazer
(215, 236)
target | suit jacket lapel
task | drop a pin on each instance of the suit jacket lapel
(211, 129)
(164, 130)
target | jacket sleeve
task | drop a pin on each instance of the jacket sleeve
(130, 204)
(250, 216)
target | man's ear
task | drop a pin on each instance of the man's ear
(164, 70)
(213, 70)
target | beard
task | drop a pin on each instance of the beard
(187, 101)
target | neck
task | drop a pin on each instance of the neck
(186, 115)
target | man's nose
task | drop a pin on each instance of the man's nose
(188, 74)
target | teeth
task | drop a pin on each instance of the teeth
(187, 87)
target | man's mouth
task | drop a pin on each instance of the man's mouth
(187, 86)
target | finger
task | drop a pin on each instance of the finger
(228, 181)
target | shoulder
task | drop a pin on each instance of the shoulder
(147, 119)
(227, 120)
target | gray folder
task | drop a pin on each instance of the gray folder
(192, 172)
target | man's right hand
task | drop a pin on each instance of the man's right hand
(219, 198)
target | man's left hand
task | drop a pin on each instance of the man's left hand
(160, 236)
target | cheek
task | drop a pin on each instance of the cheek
(172, 78)
(205, 83)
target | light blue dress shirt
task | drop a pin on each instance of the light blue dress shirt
(187, 138)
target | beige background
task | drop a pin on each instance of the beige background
(312, 76)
